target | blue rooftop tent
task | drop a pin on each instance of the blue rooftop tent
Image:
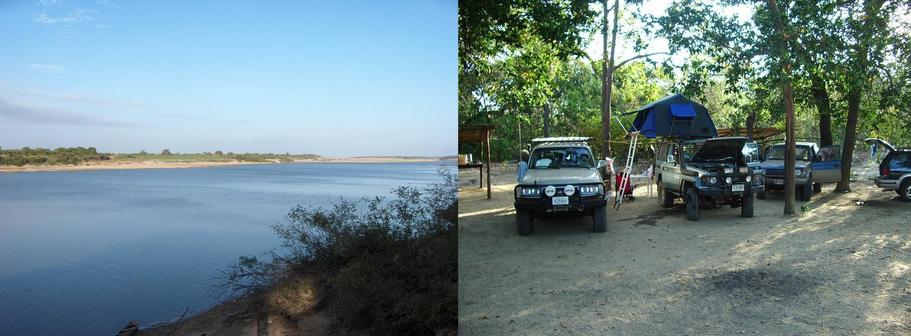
(674, 116)
(671, 116)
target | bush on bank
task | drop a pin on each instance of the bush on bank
(387, 264)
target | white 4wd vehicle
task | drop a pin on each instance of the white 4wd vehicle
(562, 178)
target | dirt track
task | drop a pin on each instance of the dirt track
(838, 269)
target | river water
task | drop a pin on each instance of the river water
(84, 252)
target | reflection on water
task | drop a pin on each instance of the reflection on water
(83, 252)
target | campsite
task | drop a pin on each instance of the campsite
(755, 205)
(842, 268)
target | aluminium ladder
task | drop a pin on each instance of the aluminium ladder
(627, 169)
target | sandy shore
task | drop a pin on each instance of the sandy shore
(371, 159)
(151, 164)
(838, 269)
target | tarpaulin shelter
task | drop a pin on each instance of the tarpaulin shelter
(674, 116)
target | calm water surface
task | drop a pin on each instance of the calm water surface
(84, 252)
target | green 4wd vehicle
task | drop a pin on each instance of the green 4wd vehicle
(562, 179)
(707, 173)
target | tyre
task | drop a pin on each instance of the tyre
(523, 222)
(692, 204)
(746, 210)
(665, 199)
(806, 191)
(599, 219)
(760, 195)
(904, 191)
(817, 187)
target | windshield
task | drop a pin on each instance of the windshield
(562, 157)
(777, 153)
(718, 151)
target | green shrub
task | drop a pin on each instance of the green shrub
(388, 264)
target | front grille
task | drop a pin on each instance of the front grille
(774, 172)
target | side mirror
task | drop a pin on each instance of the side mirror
(602, 164)
(671, 158)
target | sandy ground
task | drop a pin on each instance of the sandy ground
(838, 269)
(104, 165)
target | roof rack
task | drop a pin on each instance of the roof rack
(561, 139)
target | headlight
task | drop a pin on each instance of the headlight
(727, 180)
(550, 191)
(569, 190)
(749, 179)
(713, 180)
(590, 190)
(529, 192)
(798, 172)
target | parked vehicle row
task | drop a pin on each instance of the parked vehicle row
(563, 177)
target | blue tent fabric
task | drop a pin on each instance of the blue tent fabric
(683, 110)
(674, 116)
(648, 128)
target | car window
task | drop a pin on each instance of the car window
(802, 153)
(750, 152)
(689, 149)
(901, 160)
(671, 155)
(562, 157)
(829, 153)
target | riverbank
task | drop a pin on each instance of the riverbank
(159, 164)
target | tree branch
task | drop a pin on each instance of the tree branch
(638, 57)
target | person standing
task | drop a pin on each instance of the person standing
(523, 164)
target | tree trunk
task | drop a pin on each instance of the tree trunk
(751, 124)
(824, 107)
(605, 91)
(847, 147)
(608, 78)
(790, 143)
(546, 120)
(858, 82)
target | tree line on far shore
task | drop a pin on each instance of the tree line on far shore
(77, 155)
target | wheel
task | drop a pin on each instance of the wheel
(523, 221)
(806, 191)
(904, 191)
(599, 219)
(746, 210)
(692, 204)
(817, 187)
(760, 195)
(665, 199)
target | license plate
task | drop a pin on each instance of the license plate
(777, 181)
(737, 187)
(560, 200)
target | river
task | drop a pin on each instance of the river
(84, 252)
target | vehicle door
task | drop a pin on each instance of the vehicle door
(826, 165)
(669, 163)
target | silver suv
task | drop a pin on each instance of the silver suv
(562, 178)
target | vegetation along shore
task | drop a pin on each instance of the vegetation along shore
(80, 158)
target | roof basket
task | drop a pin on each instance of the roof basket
(561, 139)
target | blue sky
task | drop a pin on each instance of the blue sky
(328, 77)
